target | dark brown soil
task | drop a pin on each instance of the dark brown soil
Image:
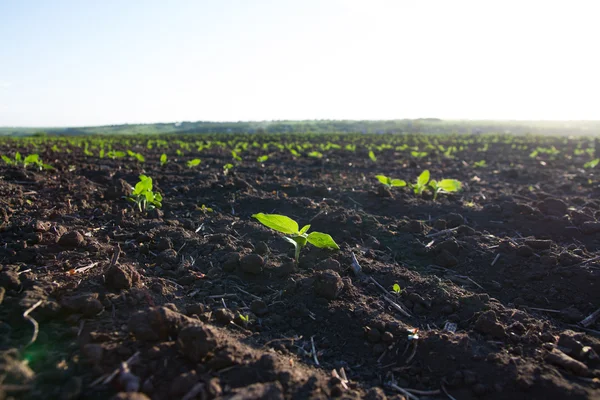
(203, 304)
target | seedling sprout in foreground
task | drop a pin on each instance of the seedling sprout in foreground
(297, 237)
(143, 196)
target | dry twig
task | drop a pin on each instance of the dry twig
(36, 327)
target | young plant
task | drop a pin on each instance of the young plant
(226, 168)
(479, 164)
(262, 159)
(421, 184)
(389, 182)
(193, 163)
(372, 156)
(143, 196)
(297, 237)
(592, 164)
(444, 186)
(163, 159)
(396, 289)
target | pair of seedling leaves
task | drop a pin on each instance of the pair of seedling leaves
(143, 196)
(423, 183)
(297, 237)
(32, 159)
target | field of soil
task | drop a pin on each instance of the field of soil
(500, 283)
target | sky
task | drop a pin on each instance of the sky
(81, 63)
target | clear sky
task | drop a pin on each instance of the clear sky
(80, 62)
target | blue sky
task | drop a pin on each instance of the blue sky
(72, 63)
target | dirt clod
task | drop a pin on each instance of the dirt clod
(157, 323)
(252, 264)
(72, 239)
(328, 284)
(197, 341)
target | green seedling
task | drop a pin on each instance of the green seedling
(135, 155)
(421, 184)
(297, 237)
(262, 159)
(244, 318)
(396, 289)
(418, 154)
(235, 156)
(115, 154)
(444, 186)
(163, 159)
(389, 182)
(30, 160)
(479, 164)
(226, 168)
(315, 154)
(372, 156)
(205, 209)
(193, 163)
(143, 196)
(592, 164)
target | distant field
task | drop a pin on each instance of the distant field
(425, 125)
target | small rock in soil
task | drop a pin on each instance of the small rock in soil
(373, 335)
(120, 277)
(488, 323)
(261, 248)
(259, 307)
(552, 206)
(9, 279)
(158, 323)
(449, 245)
(71, 239)
(86, 304)
(41, 226)
(571, 314)
(93, 353)
(286, 269)
(590, 227)
(440, 224)
(168, 256)
(413, 226)
(328, 284)
(524, 251)
(328, 263)
(71, 389)
(446, 259)
(252, 264)
(465, 230)
(454, 220)
(164, 243)
(117, 190)
(223, 315)
(232, 262)
(183, 384)
(196, 342)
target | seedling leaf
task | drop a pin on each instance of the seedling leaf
(304, 229)
(280, 223)
(398, 183)
(423, 178)
(449, 185)
(384, 179)
(322, 240)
